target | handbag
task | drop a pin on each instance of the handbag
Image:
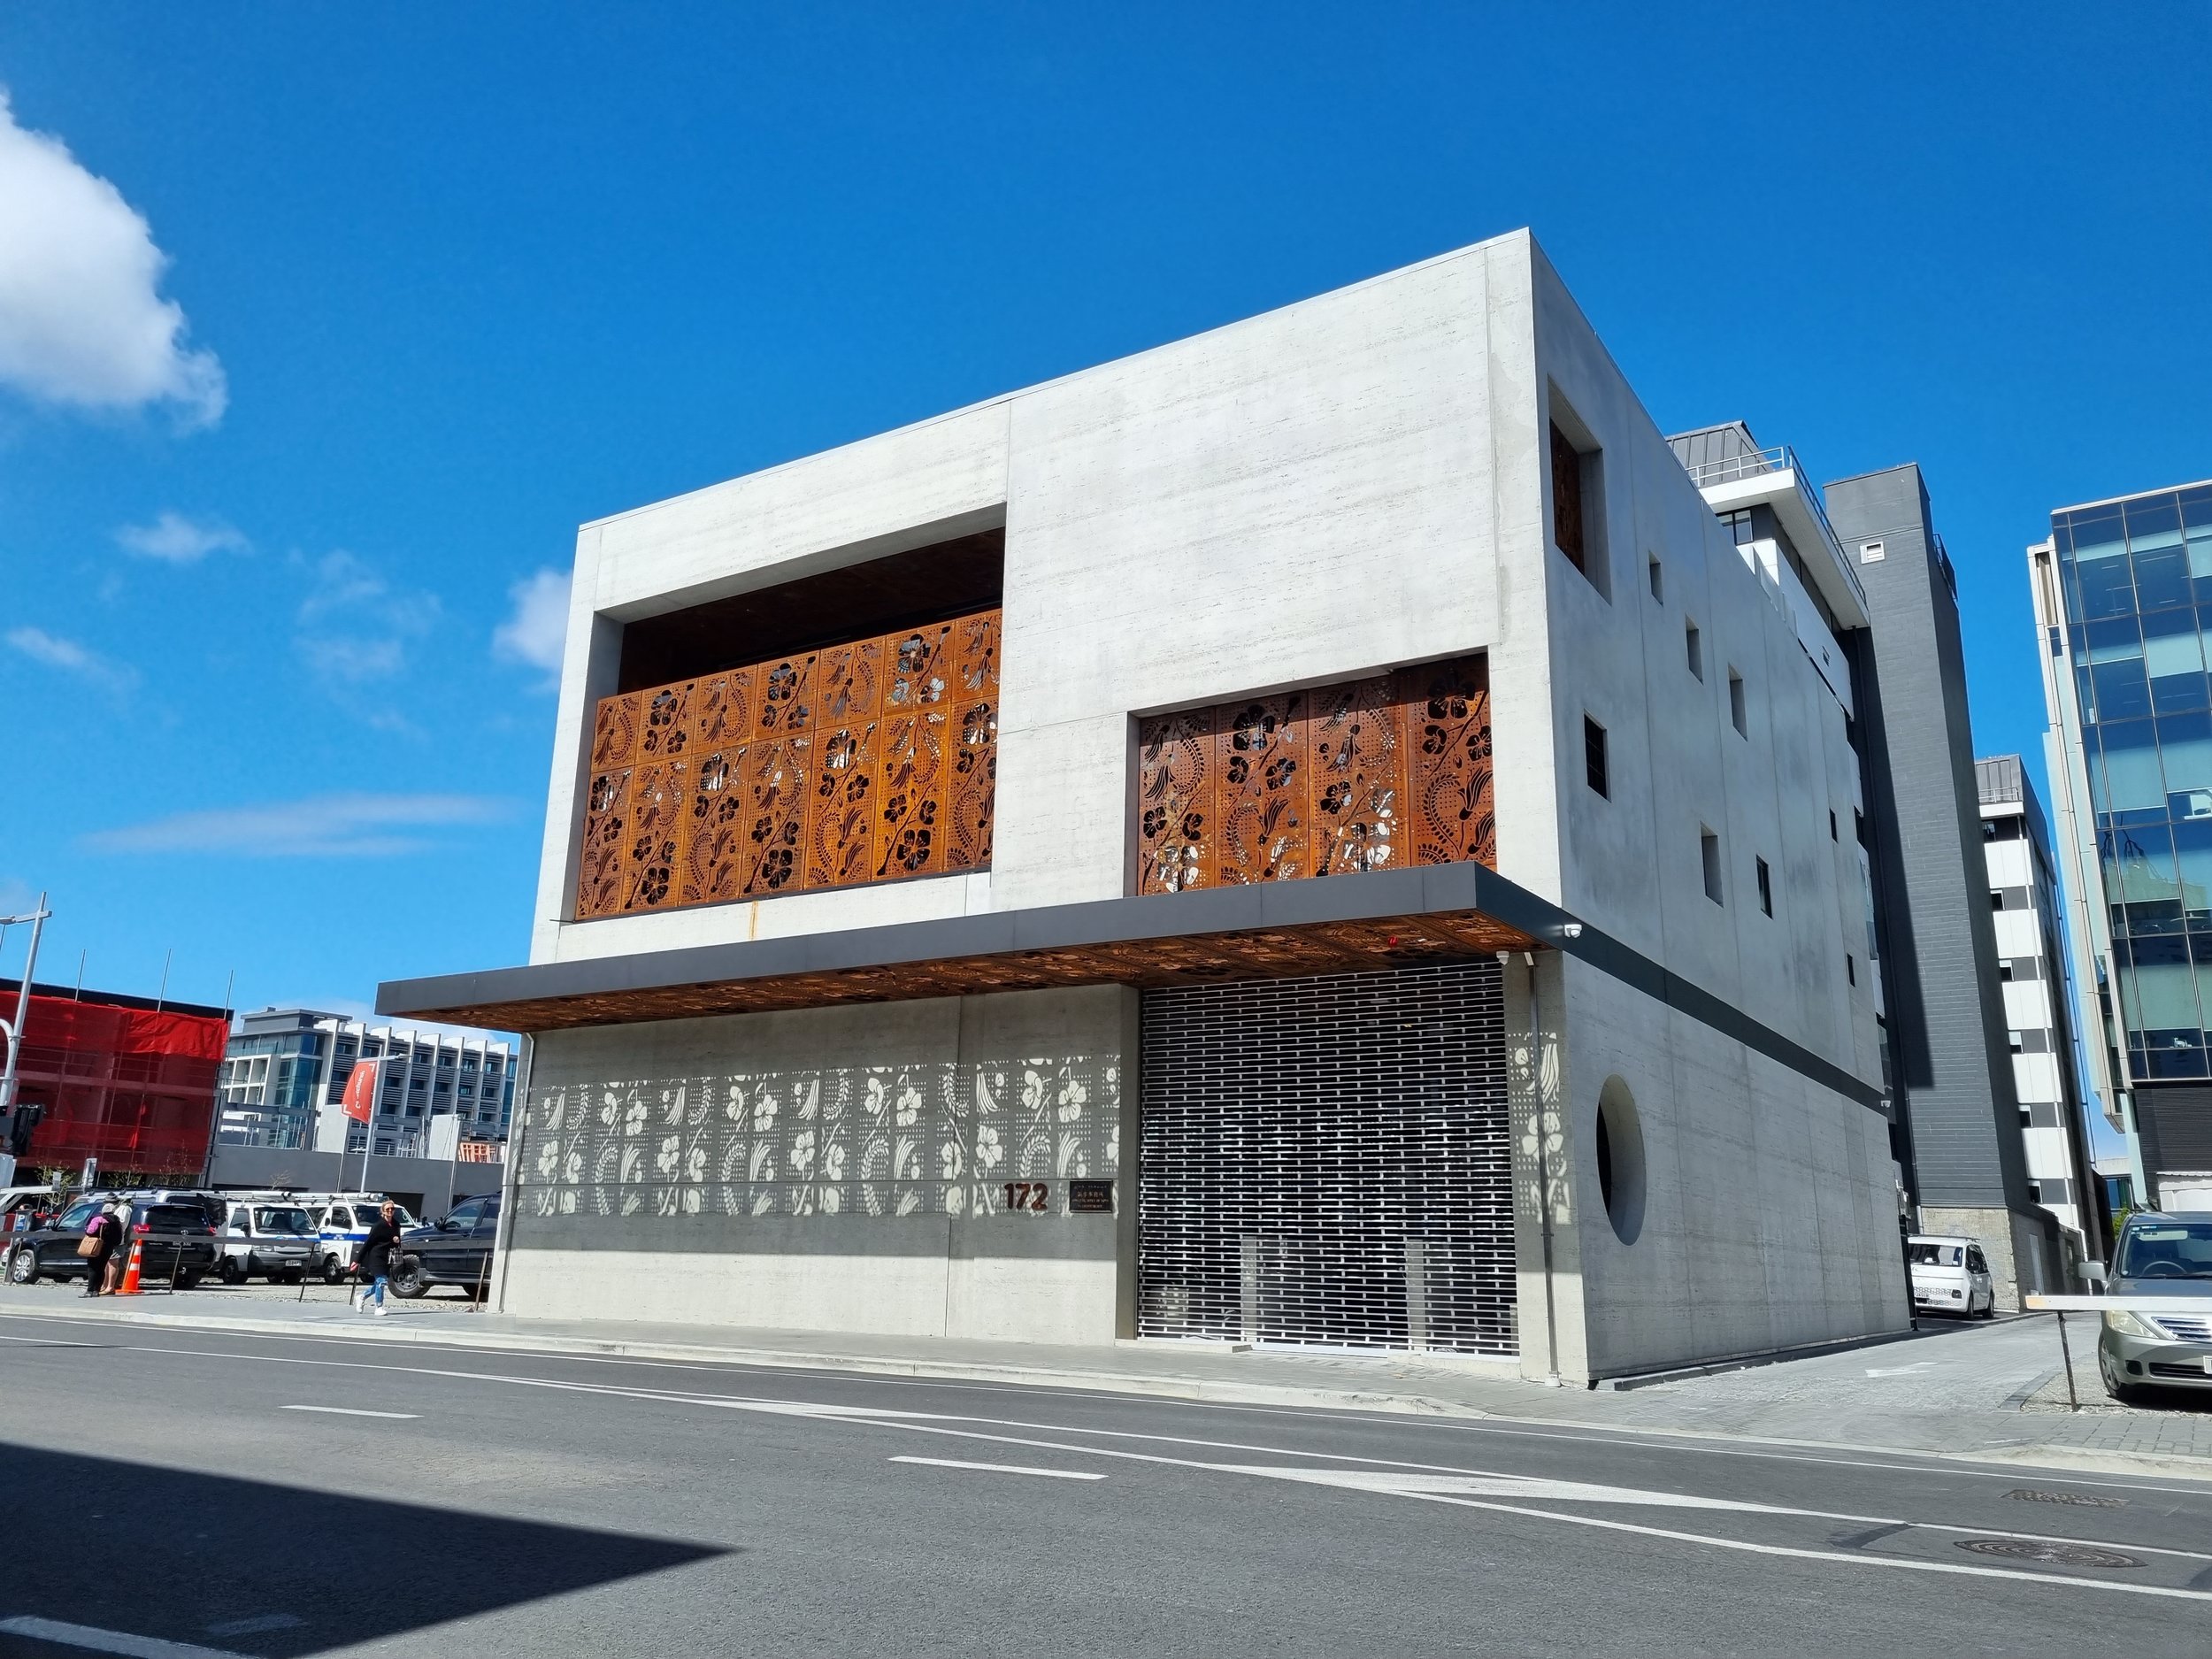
(88, 1246)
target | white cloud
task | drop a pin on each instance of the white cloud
(176, 540)
(354, 627)
(81, 320)
(535, 632)
(347, 825)
(71, 659)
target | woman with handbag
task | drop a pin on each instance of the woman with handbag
(102, 1236)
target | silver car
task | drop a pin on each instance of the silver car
(2159, 1255)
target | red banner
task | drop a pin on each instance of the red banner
(360, 1096)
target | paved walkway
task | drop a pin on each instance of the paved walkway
(1986, 1392)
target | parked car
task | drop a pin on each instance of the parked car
(23, 1207)
(270, 1235)
(2163, 1255)
(1950, 1275)
(176, 1244)
(342, 1221)
(455, 1251)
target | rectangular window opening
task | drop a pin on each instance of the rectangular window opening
(1850, 968)
(1736, 703)
(1577, 496)
(1694, 649)
(1657, 577)
(1708, 852)
(1766, 887)
(1831, 824)
(1593, 765)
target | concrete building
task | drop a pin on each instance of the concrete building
(2025, 912)
(284, 1073)
(2121, 590)
(1886, 639)
(1312, 833)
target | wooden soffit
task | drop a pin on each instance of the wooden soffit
(1279, 930)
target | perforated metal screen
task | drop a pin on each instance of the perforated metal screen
(1328, 1162)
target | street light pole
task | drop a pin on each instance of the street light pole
(14, 1030)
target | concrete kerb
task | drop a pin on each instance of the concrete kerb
(881, 1365)
(2043, 1454)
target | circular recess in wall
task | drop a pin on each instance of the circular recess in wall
(1621, 1159)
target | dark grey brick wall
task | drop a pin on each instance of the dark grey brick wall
(1945, 1010)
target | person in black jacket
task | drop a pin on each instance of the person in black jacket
(375, 1261)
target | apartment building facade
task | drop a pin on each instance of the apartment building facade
(2026, 913)
(285, 1071)
(1311, 834)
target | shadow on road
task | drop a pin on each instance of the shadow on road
(255, 1568)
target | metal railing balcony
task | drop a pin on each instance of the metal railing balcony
(1756, 463)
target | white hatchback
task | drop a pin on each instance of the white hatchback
(1950, 1275)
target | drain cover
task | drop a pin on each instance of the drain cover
(2049, 1554)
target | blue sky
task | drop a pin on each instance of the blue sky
(375, 306)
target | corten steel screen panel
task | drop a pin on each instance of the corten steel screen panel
(1369, 774)
(871, 761)
(1328, 1162)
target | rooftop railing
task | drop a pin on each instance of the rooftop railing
(1731, 469)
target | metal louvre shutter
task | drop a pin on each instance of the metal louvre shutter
(1327, 1161)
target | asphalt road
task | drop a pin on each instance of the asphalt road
(293, 1495)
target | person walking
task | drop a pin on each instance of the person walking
(374, 1262)
(105, 1228)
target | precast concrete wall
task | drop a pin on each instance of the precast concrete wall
(835, 1169)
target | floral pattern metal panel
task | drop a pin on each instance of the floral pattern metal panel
(1358, 761)
(938, 1139)
(973, 729)
(1453, 805)
(1364, 775)
(864, 761)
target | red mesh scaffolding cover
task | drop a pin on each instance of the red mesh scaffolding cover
(132, 1086)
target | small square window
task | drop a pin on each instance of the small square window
(1766, 887)
(2004, 968)
(2014, 1037)
(1708, 853)
(1694, 649)
(1657, 577)
(1736, 703)
(1997, 901)
(1593, 765)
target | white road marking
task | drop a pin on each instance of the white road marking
(939, 1423)
(1901, 1370)
(351, 1411)
(1004, 1469)
(255, 1626)
(61, 1635)
(1687, 1441)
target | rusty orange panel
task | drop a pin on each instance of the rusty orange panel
(776, 779)
(1260, 773)
(1175, 802)
(1447, 720)
(606, 819)
(911, 799)
(648, 859)
(840, 818)
(714, 842)
(972, 730)
(1356, 757)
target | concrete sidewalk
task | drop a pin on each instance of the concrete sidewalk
(1989, 1392)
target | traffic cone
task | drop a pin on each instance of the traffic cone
(129, 1286)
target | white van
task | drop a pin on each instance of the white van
(1950, 1275)
(342, 1221)
(267, 1233)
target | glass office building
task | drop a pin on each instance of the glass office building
(2135, 580)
